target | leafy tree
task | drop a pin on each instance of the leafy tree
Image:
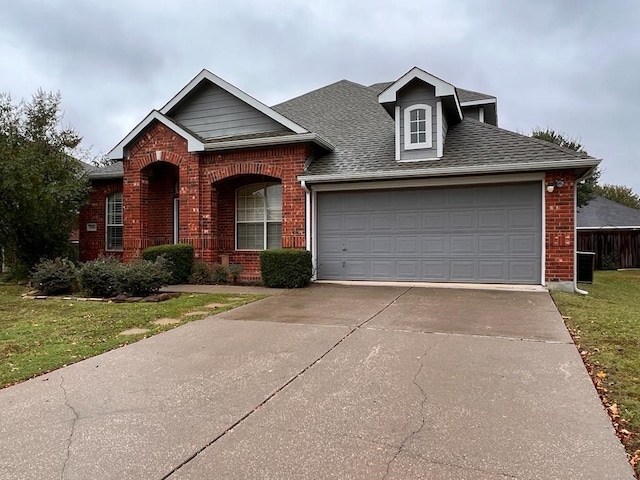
(619, 193)
(42, 187)
(586, 188)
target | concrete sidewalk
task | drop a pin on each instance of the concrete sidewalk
(326, 382)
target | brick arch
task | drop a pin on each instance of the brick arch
(247, 168)
(144, 161)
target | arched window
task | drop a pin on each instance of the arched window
(114, 223)
(417, 127)
(259, 216)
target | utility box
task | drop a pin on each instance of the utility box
(586, 263)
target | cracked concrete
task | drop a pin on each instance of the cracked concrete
(75, 418)
(323, 383)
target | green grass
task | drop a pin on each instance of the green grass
(606, 328)
(37, 336)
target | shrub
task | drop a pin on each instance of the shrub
(55, 277)
(179, 257)
(235, 269)
(286, 267)
(201, 274)
(143, 277)
(101, 277)
(220, 274)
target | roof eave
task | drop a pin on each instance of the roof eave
(270, 141)
(450, 171)
(193, 144)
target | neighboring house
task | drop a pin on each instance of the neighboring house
(610, 230)
(404, 181)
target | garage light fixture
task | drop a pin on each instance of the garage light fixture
(552, 185)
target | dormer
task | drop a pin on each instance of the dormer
(423, 107)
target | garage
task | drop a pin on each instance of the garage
(478, 234)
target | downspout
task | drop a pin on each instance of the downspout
(307, 224)
(307, 214)
(575, 233)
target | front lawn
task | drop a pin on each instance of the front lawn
(37, 336)
(606, 327)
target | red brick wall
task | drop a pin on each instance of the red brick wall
(207, 184)
(560, 227)
(92, 244)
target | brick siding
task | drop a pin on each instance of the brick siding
(560, 227)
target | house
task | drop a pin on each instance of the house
(410, 180)
(610, 230)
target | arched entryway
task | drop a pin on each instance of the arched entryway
(160, 204)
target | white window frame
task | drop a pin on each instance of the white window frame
(265, 221)
(428, 143)
(109, 199)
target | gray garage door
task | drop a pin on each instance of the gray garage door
(488, 234)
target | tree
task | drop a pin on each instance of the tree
(586, 188)
(42, 186)
(619, 193)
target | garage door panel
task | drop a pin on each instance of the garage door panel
(523, 218)
(408, 221)
(382, 245)
(435, 270)
(382, 222)
(333, 245)
(435, 245)
(462, 197)
(521, 270)
(491, 244)
(462, 220)
(435, 220)
(381, 269)
(462, 244)
(526, 244)
(458, 234)
(492, 219)
(407, 245)
(357, 268)
(491, 270)
(407, 269)
(328, 223)
(462, 270)
(356, 222)
(357, 245)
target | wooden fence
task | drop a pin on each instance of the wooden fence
(613, 248)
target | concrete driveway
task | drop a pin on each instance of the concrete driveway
(326, 382)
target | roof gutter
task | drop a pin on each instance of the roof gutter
(450, 171)
(269, 141)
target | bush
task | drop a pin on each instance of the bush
(55, 277)
(101, 277)
(179, 257)
(286, 267)
(235, 269)
(142, 277)
(201, 274)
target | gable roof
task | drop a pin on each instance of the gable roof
(194, 142)
(602, 213)
(442, 89)
(206, 75)
(349, 115)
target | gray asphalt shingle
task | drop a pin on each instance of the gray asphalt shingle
(350, 117)
(602, 212)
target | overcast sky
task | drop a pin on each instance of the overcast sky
(571, 65)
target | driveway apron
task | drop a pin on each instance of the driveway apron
(326, 382)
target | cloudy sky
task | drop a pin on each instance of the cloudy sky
(571, 65)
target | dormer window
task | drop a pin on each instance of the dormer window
(417, 127)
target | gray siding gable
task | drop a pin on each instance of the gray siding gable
(212, 112)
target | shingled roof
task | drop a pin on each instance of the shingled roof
(602, 213)
(349, 116)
